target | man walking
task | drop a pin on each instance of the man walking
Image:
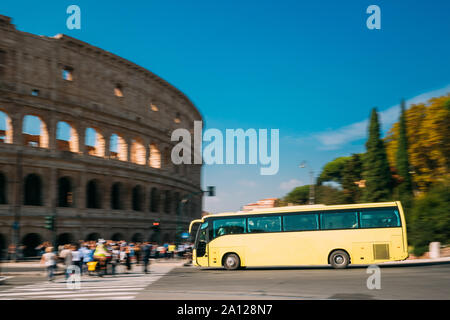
(146, 251)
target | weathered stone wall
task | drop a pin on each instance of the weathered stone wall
(62, 79)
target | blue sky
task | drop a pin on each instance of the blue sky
(311, 69)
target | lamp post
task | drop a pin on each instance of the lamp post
(210, 192)
(304, 164)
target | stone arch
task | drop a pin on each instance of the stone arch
(167, 201)
(65, 192)
(116, 196)
(30, 241)
(93, 196)
(6, 128)
(137, 196)
(118, 147)
(94, 236)
(30, 133)
(64, 238)
(137, 237)
(137, 151)
(94, 142)
(166, 238)
(3, 246)
(67, 138)
(3, 189)
(154, 200)
(33, 190)
(117, 236)
(155, 156)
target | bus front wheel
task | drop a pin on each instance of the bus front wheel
(339, 259)
(231, 261)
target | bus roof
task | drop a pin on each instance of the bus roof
(315, 207)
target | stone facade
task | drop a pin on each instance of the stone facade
(115, 187)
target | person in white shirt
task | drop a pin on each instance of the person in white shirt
(49, 259)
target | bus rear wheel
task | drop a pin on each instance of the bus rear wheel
(339, 259)
(231, 261)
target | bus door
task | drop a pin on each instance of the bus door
(201, 246)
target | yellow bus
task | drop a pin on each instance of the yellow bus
(339, 235)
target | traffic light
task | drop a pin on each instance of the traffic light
(155, 226)
(211, 192)
(49, 222)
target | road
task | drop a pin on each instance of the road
(173, 281)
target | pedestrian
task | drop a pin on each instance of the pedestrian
(146, 250)
(76, 258)
(49, 259)
(115, 258)
(66, 255)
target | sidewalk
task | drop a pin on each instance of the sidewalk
(35, 268)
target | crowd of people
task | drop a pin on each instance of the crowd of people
(104, 256)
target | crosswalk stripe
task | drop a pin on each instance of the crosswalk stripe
(119, 287)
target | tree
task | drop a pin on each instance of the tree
(376, 166)
(352, 173)
(404, 188)
(299, 195)
(324, 195)
(333, 170)
(428, 139)
(430, 219)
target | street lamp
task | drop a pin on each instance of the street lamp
(304, 164)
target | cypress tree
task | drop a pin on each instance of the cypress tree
(402, 162)
(351, 174)
(376, 167)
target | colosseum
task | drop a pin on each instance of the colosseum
(85, 137)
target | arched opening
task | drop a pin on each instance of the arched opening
(66, 137)
(93, 195)
(154, 200)
(167, 201)
(118, 147)
(166, 238)
(117, 237)
(137, 152)
(93, 236)
(3, 189)
(154, 237)
(137, 237)
(116, 196)
(30, 241)
(155, 156)
(64, 238)
(35, 133)
(6, 128)
(137, 198)
(176, 202)
(33, 190)
(65, 195)
(95, 143)
(3, 247)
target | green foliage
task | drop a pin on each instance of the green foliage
(376, 166)
(402, 161)
(430, 219)
(332, 171)
(323, 195)
(299, 195)
(352, 172)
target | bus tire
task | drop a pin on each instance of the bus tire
(231, 261)
(339, 259)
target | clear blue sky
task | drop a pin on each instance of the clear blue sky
(308, 68)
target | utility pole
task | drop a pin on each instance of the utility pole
(312, 197)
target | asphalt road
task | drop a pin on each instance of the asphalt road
(411, 282)
(192, 283)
